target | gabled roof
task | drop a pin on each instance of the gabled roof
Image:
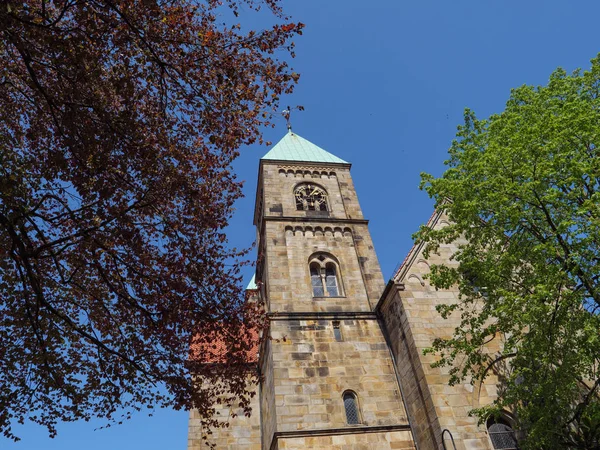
(295, 148)
(217, 347)
(416, 248)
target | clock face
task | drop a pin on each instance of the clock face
(311, 198)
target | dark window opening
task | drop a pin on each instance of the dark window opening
(501, 434)
(337, 333)
(351, 407)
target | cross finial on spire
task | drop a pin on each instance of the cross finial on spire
(286, 114)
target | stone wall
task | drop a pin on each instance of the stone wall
(312, 371)
(240, 432)
(408, 310)
(369, 265)
(267, 413)
(277, 183)
(289, 237)
(288, 251)
(412, 372)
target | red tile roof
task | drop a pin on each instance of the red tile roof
(223, 347)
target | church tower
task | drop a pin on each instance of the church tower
(329, 381)
(328, 377)
(344, 361)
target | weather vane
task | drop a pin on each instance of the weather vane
(286, 114)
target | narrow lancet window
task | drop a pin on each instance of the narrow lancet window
(337, 333)
(351, 407)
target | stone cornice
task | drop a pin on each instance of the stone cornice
(322, 315)
(315, 219)
(289, 162)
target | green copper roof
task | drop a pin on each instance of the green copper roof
(252, 285)
(295, 148)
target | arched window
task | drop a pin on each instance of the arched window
(324, 276)
(310, 197)
(351, 407)
(501, 434)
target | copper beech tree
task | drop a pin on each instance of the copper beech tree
(119, 121)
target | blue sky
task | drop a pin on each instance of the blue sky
(384, 85)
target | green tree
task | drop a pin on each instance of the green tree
(119, 121)
(523, 188)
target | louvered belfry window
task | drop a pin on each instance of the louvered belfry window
(351, 407)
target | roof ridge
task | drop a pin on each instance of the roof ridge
(400, 272)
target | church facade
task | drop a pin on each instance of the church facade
(344, 368)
